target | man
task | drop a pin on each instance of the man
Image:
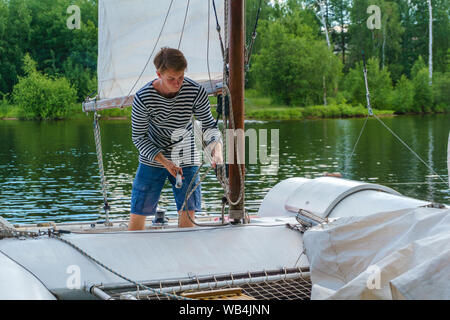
(161, 114)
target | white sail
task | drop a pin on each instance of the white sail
(128, 33)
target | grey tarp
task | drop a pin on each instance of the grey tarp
(391, 255)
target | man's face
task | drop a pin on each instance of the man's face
(171, 80)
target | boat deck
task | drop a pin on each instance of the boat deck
(113, 226)
(263, 259)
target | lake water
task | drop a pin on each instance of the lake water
(49, 171)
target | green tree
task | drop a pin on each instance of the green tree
(441, 91)
(447, 62)
(403, 96)
(340, 20)
(41, 96)
(383, 43)
(84, 80)
(39, 28)
(52, 42)
(15, 41)
(419, 32)
(251, 11)
(3, 44)
(418, 65)
(423, 94)
(407, 55)
(292, 63)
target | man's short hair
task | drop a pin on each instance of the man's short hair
(169, 58)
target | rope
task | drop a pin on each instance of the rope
(137, 284)
(252, 41)
(221, 172)
(402, 142)
(98, 149)
(357, 140)
(369, 108)
(412, 151)
(153, 51)
(228, 93)
(221, 176)
(237, 155)
(188, 195)
(207, 48)
(10, 232)
(184, 23)
(218, 28)
(96, 116)
(190, 190)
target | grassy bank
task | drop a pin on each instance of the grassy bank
(256, 108)
(262, 108)
(13, 112)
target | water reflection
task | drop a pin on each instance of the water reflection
(49, 172)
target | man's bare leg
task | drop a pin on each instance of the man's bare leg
(137, 222)
(183, 219)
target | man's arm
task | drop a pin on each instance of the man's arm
(140, 122)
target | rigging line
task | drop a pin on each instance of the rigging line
(369, 107)
(357, 140)
(190, 190)
(138, 284)
(207, 46)
(224, 184)
(218, 28)
(153, 51)
(184, 23)
(238, 156)
(250, 47)
(98, 149)
(185, 204)
(412, 151)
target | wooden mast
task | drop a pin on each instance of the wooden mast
(237, 83)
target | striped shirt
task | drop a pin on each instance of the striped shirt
(159, 123)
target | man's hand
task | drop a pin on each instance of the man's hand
(173, 169)
(169, 165)
(216, 155)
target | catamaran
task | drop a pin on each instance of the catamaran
(322, 238)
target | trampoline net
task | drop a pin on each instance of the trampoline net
(284, 284)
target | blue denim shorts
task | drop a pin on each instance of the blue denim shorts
(149, 182)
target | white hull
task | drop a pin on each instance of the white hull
(45, 268)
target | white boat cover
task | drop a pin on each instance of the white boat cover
(391, 255)
(156, 255)
(129, 30)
